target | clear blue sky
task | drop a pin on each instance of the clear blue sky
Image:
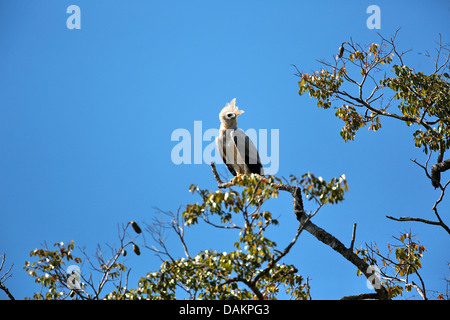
(86, 118)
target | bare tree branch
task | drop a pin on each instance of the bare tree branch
(440, 222)
(4, 277)
(435, 172)
(414, 219)
(353, 237)
(361, 296)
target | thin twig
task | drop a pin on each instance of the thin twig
(4, 277)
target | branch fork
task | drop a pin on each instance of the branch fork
(319, 233)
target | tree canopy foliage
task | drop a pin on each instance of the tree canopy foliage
(363, 84)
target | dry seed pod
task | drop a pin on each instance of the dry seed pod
(136, 249)
(341, 51)
(136, 227)
(124, 252)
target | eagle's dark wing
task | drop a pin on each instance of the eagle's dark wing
(247, 151)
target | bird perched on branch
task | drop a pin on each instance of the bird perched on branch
(235, 147)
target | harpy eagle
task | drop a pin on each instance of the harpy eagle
(236, 149)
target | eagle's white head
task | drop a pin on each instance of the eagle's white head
(229, 114)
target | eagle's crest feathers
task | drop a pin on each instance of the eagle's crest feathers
(231, 107)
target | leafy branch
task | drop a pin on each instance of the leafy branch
(318, 188)
(398, 271)
(362, 78)
(52, 270)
